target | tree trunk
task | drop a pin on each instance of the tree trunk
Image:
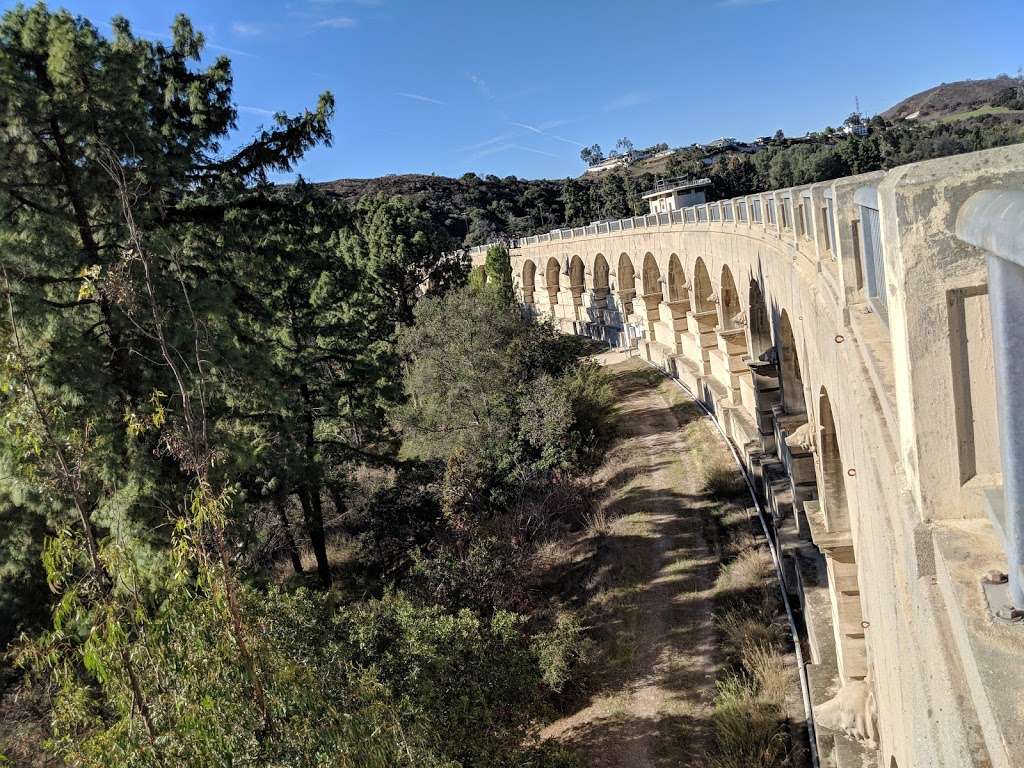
(286, 529)
(313, 512)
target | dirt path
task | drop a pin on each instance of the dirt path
(650, 596)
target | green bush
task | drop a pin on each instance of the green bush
(562, 650)
(479, 572)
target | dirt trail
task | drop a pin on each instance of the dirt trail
(650, 596)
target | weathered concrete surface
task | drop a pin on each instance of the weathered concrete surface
(896, 387)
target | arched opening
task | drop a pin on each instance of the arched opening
(732, 310)
(551, 277)
(653, 295)
(789, 369)
(626, 278)
(677, 291)
(703, 294)
(651, 277)
(761, 346)
(600, 287)
(529, 281)
(761, 391)
(576, 270)
(729, 362)
(832, 488)
(840, 555)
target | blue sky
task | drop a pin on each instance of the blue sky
(519, 87)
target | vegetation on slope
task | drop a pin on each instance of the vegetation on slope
(950, 99)
(210, 385)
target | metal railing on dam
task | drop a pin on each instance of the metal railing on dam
(860, 342)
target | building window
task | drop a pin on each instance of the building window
(769, 210)
(808, 223)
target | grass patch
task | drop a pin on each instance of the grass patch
(723, 481)
(746, 727)
(988, 109)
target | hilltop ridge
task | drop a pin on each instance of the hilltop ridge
(963, 98)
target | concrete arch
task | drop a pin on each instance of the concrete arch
(529, 281)
(840, 550)
(576, 274)
(729, 301)
(552, 277)
(759, 325)
(600, 286)
(832, 474)
(651, 276)
(704, 298)
(790, 376)
(677, 285)
(577, 277)
(652, 296)
(626, 283)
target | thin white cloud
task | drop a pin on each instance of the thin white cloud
(232, 51)
(627, 100)
(337, 22)
(255, 110)
(212, 46)
(534, 151)
(487, 142)
(541, 132)
(247, 29)
(498, 148)
(420, 97)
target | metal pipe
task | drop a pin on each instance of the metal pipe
(1006, 295)
(991, 220)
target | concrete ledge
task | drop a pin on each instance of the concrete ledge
(990, 652)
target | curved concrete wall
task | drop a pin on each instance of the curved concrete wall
(879, 488)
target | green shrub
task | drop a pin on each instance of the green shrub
(562, 650)
(480, 572)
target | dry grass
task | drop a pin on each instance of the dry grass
(597, 522)
(551, 554)
(741, 631)
(722, 480)
(768, 669)
(342, 552)
(748, 571)
(746, 728)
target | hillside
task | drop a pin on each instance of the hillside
(471, 208)
(952, 99)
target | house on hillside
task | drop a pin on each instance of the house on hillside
(855, 125)
(607, 165)
(726, 142)
(676, 193)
